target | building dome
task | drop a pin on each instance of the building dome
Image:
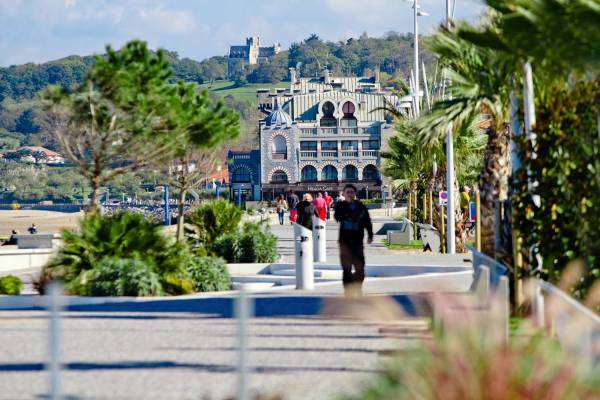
(279, 118)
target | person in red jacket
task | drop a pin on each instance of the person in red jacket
(321, 206)
(329, 202)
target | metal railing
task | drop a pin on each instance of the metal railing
(576, 327)
(497, 270)
(309, 154)
(370, 153)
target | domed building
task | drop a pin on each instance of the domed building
(322, 133)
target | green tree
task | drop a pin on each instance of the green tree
(200, 125)
(480, 86)
(116, 121)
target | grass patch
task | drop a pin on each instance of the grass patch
(245, 93)
(412, 245)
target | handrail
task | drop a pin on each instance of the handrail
(580, 308)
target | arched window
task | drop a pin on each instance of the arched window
(241, 175)
(350, 173)
(279, 148)
(349, 120)
(328, 119)
(330, 173)
(279, 177)
(309, 174)
(370, 173)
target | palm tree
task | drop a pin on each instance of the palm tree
(480, 86)
(409, 163)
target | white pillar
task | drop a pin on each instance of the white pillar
(451, 236)
(305, 278)
(54, 304)
(319, 240)
(416, 58)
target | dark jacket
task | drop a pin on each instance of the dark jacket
(306, 211)
(354, 219)
(293, 201)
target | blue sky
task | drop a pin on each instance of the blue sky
(43, 30)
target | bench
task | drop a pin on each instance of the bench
(35, 241)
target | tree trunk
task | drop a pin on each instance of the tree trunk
(180, 217)
(93, 206)
(493, 183)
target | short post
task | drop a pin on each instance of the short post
(477, 220)
(305, 278)
(319, 240)
(503, 298)
(431, 207)
(482, 289)
(166, 206)
(54, 304)
(243, 311)
(537, 304)
(424, 207)
(409, 208)
(443, 230)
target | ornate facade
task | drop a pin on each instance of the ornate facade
(322, 133)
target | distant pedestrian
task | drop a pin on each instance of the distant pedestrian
(293, 201)
(12, 240)
(282, 206)
(329, 202)
(321, 206)
(306, 210)
(354, 218)
(32, 229)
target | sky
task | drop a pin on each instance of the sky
(43, 30)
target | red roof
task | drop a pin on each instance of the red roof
(40, 149)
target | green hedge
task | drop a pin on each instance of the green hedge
(11, 285)
(253, 243)
(209, 274)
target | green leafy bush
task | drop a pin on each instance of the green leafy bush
(257, 243)
(566, 169)
(212, 220)
(11, 285)
(86, 255)
(114, 276)
(227, 246)
(209, 274)
(253, 243)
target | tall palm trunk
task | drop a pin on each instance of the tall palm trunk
(493, 182)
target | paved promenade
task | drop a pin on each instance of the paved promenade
(306, 345)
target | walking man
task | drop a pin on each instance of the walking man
(354, 218)
(293, 201)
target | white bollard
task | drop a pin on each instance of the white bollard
(243, 312)
(319, 240)
(305, 278)
(54, 305)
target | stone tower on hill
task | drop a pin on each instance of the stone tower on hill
(250, 54)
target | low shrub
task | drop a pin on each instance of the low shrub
(120, 247)
(11, 285)
(212, 220)
(227, 246)
(257, 243)
(253, 243)
(209, 274)
(114, 276)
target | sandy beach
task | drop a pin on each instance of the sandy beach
(46, 221)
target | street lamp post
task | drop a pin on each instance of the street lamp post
(451, 234)
(416, 57)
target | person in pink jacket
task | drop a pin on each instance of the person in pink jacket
(321, 206)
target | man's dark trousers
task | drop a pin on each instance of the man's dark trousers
(352, 255)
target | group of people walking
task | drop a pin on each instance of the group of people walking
(354, 220)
